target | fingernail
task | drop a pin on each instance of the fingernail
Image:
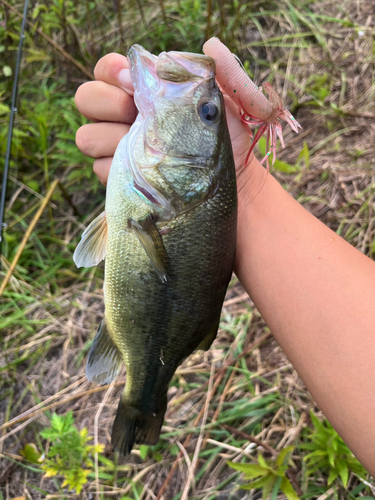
(125, 81)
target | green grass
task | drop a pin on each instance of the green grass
(311, 52)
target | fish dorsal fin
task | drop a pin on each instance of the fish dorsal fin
(103, 363)
(92, 248)
(152, 241)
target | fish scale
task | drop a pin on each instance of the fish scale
(170, 238)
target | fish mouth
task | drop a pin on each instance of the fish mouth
(177, 67)
(142, 68)
(183, 67)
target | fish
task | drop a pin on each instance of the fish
(168, 237)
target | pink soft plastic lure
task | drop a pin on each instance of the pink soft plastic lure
(254, 107)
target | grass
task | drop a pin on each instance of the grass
(242, 397)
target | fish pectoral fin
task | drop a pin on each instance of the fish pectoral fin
(104, 361)
(92, 248)
(207, 341)
(152, 241)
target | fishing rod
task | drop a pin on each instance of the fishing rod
(13, 111)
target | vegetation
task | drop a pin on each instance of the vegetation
(240, 407)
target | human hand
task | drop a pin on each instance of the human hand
(109, 103)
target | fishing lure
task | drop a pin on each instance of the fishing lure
(254, 107)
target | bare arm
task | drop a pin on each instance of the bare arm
(317, 294)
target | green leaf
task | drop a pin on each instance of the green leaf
(320, 454)
(279, 165)
(37, 9)
(7, 71)
(305, 154)
(331, 457)
(31, 453)
(259, 483)
(316, 422)
(283, 166)
(37, 55)
(311, 460)
(262, 461)
(158, 457)
(106, 461)
(267, 488)
(143, 451)
(250, 470)
(287, 488)
(284, 455)
(333, 473)
(275, 489)
(4, 109)
(174, 450)
(34, 185)
(343, 472)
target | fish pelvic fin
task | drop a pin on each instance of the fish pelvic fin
(133, 426)
(104, 361)
(92, 248)
(152, 242)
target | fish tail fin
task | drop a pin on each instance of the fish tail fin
(134, 426)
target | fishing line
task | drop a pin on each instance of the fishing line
(13, 111)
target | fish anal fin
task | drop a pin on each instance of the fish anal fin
(207, 341)
(104, 361)
(133, 426)
(152, 242)
(92, 248)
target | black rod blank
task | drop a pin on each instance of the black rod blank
(13, 111)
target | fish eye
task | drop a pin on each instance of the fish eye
(208, 111)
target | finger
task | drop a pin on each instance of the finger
(114, 69)
(103, 102)
(101, 168)
(100, 139)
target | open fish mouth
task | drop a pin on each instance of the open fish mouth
(160, 74)
(173, 66)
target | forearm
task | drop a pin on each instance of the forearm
(317, 294)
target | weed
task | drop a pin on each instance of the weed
(70, 454)
(269, 475)
(329, 454)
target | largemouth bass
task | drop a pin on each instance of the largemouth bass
(168, 235)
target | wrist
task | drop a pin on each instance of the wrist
(250, 182)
